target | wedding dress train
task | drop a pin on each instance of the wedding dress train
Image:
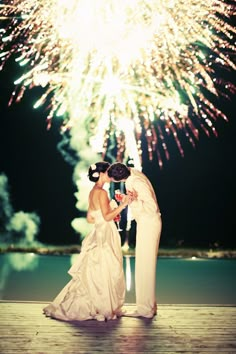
(97, 288)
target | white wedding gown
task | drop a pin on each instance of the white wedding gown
(97, 288)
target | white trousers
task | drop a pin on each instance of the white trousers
(147, 244)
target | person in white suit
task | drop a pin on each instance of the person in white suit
(146, 212)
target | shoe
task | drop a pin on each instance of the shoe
(136, 314)
(151, 315)
(132, 314)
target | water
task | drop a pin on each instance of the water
(31, 277)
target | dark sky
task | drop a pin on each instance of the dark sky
(196, 193)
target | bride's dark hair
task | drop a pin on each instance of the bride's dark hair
(95, 170)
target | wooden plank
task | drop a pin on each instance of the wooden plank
(176, 329)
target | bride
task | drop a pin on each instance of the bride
(97, 288)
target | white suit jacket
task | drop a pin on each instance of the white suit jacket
(146, 203)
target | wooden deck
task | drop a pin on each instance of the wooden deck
(176, 329)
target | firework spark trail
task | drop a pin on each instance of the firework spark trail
(142, 63)
(110, 59)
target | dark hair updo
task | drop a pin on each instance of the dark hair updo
(95, 170)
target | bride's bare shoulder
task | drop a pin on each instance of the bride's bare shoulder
(97, 193)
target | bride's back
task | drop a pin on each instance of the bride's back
(94, 203)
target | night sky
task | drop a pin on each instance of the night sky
(196, 193)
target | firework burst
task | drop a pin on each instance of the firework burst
(129, 67)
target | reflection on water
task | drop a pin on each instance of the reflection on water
(39, 278)
(16, 262)
(127, 273)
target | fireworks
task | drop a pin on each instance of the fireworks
(124, 67)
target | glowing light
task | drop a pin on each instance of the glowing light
(125, 246)
(126, 69)
(134, 59)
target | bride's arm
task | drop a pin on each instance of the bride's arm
(108, 213)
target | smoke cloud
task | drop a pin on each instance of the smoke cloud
(19, 228)
(25, 225)
(6, 209)
(76, 150)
